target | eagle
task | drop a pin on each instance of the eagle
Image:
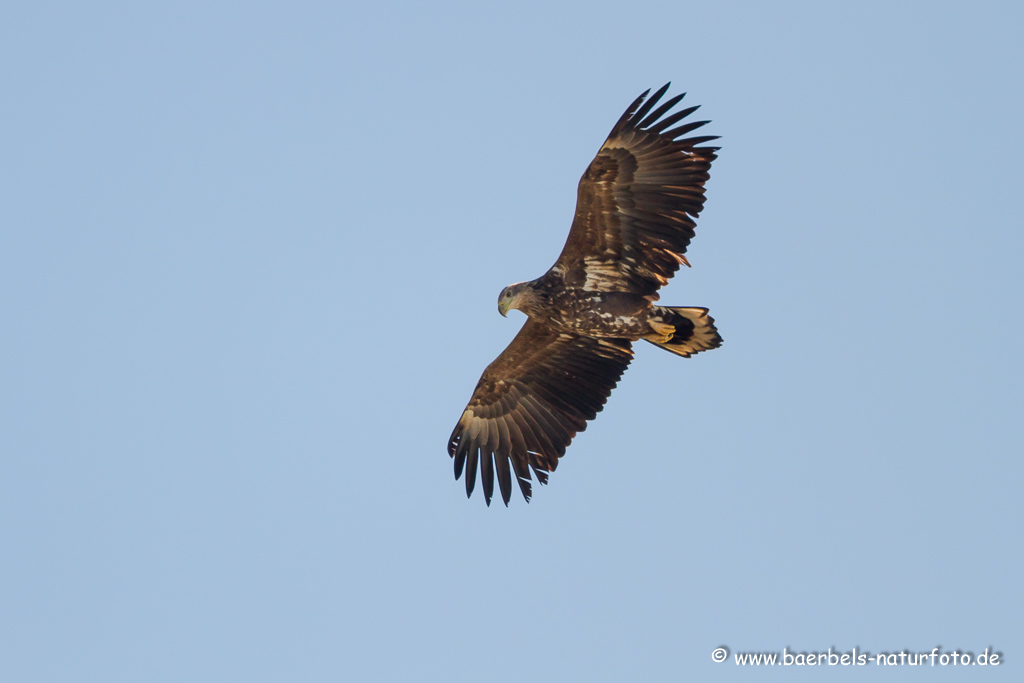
(635, 210)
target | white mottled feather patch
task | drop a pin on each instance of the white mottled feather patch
(601, 274)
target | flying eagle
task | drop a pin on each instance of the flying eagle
(635, 210)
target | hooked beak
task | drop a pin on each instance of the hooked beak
(503, 308)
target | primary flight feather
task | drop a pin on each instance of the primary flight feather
(635, 210)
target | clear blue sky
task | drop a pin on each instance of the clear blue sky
(249, 262)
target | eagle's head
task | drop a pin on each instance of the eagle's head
(519, 295)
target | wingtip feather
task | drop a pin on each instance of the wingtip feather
(642, 111)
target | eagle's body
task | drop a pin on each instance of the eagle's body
(635, 212)
(589, 312)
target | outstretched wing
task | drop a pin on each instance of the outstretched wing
(530, 403)
(637, 201)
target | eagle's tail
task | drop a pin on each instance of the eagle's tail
(683, 331)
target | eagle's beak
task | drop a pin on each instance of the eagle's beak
(503, 308)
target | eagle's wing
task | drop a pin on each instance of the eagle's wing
(530, 403)
(637, 201)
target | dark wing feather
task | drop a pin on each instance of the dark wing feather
(530, 403)
(637, 202)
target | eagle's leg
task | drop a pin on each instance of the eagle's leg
(661, 332)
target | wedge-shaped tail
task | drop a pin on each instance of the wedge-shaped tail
(683, 331)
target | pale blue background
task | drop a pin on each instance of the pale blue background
(249, 262)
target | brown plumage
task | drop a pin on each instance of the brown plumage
(635, 211)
